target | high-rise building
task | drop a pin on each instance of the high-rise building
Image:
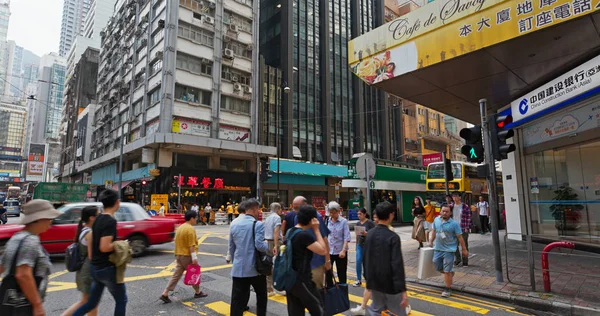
(175, 89)
(73, 18)
(48, 105)
(328, 116)
(12, 133)
(13, 75)
(4, 19)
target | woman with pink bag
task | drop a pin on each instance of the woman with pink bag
(186, 246)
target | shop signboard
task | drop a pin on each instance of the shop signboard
(571, 84)
(35, 162)
(446, 29)
(156, 199)
(238, 134)
(564, 124)
(191, 127)
(431, 158)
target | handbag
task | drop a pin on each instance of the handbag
(335, 296)
(13, 301)
(262, 260)
(193, 275)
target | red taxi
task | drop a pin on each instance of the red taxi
(133, 224)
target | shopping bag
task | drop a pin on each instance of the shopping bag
(426, 268)
(193, 275)
(335, 297)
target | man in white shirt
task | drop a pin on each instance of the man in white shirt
(161, 210)
(484, 213)
(273, 237)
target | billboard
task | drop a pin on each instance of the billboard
(35, 162)
(431, 158)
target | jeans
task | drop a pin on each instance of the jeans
(360, 253)
(485, 226)
(459, 258)
(240, 294)
(304, 294)
(104, 277)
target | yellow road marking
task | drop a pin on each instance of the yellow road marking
(448, 303)
(57, 274)
(203, 238)
(192, 307)
(199, 252)
(223, 308)
(145, 267)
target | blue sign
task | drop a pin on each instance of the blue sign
(523, 107)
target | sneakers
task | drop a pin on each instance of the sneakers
(446, 293)
(165, 299)
(358, 310)
(200, 295)
(282, 293)
(357, 284)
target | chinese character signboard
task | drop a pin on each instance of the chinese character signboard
(431, 158)
(35, 162)
(237, 134)
(191, 127)
(572, 83)
(445, 29)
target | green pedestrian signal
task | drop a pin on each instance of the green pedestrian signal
(473, 148)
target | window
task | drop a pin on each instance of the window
(156, 67)
(124, 215)
(69, 216)
(243, 23)
(235, 104)
(194, 64)
(193, 95)
(137, 108)
(156, 37)
(195, 34)
(233, 165)
(154, 97)
(239, 49)
(242, 77)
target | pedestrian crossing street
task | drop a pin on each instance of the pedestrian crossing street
(424, 302)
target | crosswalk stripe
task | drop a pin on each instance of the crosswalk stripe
(358, 299)
(223, 308)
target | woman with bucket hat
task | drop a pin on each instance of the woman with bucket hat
(25, 265)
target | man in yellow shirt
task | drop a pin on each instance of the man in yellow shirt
(186, 246)
(429, 215)
(235, 210)
(229, 212)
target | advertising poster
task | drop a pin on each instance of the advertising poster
(191, 127)
(431, 158)
(238, 134)
(35, 162)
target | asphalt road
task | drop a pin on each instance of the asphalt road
(147, 276)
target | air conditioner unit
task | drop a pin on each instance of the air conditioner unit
(205, 61)
(158, 55)
(247, 89)
(237, 87)
(233, 27)
(209, 20)
(235, 79)
(228, 53)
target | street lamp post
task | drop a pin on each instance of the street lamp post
(286, 90)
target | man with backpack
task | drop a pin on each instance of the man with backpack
(292, 267)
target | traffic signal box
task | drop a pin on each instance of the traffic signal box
(499, 135)
(473, 149)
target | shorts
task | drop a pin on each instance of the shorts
(443, 261)
(427, 225)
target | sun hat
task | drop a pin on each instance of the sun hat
(38, 209)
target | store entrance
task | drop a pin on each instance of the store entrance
(564, 192)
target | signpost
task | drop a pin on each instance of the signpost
(365, 168)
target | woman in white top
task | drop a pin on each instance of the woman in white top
(83, 278)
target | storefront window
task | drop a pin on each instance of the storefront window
(563, 187)
(233, 165)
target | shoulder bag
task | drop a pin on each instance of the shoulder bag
(12, 300)
(262, 260)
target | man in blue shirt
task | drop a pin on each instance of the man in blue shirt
(446, 234)
(241, 247)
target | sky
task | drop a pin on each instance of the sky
(35, 24)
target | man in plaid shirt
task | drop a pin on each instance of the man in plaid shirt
(461, 213)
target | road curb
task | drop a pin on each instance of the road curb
(535, 303)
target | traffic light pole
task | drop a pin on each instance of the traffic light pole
(493, 197)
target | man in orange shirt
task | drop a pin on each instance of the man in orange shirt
(429, 215)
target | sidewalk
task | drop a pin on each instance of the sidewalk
(571, 294)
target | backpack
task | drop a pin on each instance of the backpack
(74, 258)
(284, 276)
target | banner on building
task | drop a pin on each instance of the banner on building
(431, 158)
(35, 162)
(238, 134)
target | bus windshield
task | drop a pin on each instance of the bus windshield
(436, 171)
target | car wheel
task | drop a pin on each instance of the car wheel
(138, 245)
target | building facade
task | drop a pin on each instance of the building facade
(14, 65)
(175, 92)
(4, 19)
(12, 134)
(73, 18)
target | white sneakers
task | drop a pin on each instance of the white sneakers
(358, 310)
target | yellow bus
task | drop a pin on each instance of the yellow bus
(466, 181)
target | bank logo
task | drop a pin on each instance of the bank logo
(523, 106)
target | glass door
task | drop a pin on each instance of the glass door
(590, 153)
